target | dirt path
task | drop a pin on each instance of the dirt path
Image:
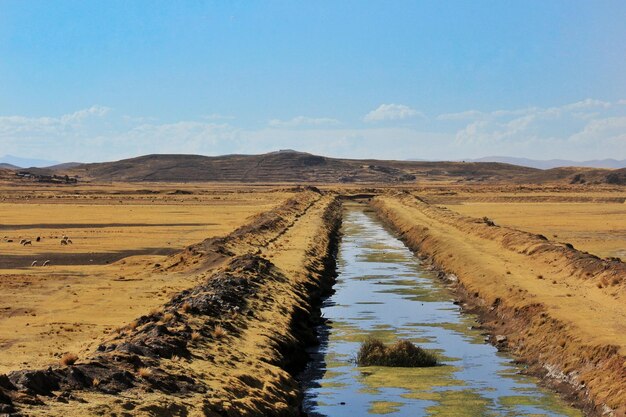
(562, 311)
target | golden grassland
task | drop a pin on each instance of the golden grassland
(598, 228)
(106, 277)
(121, 233)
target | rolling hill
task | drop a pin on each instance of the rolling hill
(289, 166)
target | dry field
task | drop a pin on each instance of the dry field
(106, 277)
(593, 220)
(117, 289)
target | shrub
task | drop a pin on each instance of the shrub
(403, 353)
(218, 332)
(488, 221)
(68, 359)
(144, 372)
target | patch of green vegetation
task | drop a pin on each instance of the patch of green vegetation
(374, 352)
(384, 407)
(545, 402)
(456, 403)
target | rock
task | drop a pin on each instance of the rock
(39, 382)
(501, 338)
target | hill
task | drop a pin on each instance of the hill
(289, 166)
(555, 163)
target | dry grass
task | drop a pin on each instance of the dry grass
(105, 222)
(218, 332)
(95, 382)
(403, 353)
(185, 308)
(144, 372)
(195, 336)
(68, 359)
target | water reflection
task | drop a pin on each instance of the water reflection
(382, 291)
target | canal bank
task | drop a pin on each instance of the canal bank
(384, 291)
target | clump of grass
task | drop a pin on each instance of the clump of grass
(403, 353)
(167, 317)
(186, 307)
(96, 382)
(195, 336)
(218, 332)
(144, 372)
(488, 221)
(68, 359)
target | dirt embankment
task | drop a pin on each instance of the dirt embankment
(559, 310)
(227, 347)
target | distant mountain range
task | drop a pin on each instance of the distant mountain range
(289, 166)
(553, 163)
(18, 162)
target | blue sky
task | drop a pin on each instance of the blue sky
(94, 81)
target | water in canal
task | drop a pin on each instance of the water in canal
(382, 291)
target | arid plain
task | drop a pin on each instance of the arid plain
(119, 321)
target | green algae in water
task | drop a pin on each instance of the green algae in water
(384, 407)
(390, 296)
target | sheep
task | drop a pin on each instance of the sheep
(22, 241)
(46, 263)
(34, 263)
(27, 242)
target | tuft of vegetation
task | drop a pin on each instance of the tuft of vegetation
(488, 221)
(218, 332)
(403, 353)
(68, 359)
(195, 336)
(167, 317)
(144, 372)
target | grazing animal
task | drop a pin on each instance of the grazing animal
(27, 242)
(22, 241)
(63, 242)
(38, 238)
(46, 263)
(34, 263)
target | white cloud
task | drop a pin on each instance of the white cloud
(93, 111)
(392, 112)
(587, 104)
(301, 121)
(464, 115)
(588, 129)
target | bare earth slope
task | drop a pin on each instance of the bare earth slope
(562, 311)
